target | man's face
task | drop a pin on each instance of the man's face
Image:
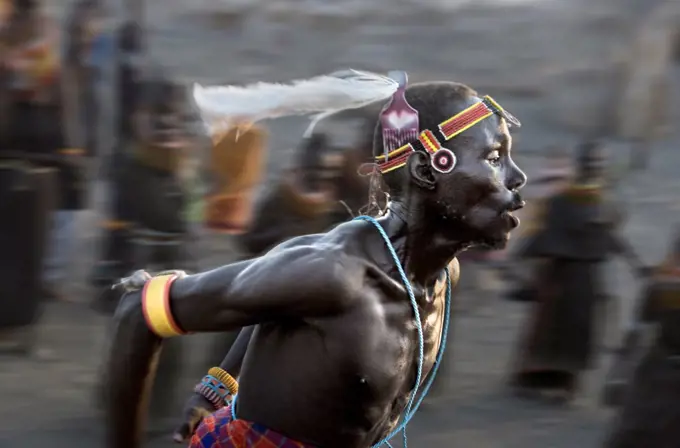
(482, 190)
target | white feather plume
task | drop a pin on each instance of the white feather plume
(224, 106)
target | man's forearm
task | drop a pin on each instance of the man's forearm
(234, 360)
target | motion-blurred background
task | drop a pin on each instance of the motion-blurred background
(104, 168)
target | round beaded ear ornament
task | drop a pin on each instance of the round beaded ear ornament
(443, 160)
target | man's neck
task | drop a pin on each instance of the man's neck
(423, 246)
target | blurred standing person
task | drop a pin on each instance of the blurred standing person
(39, 124)
(554, 177)
(578, 233)
(115, 247)
(24, 200)
(87, 49)
(5, 12)
(150, 192)
(305, 200)
(236, 170)
(650, 416)
(300, 202)
(147, 190)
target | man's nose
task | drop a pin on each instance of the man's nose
(516, 178)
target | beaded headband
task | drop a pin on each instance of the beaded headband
(400, 125)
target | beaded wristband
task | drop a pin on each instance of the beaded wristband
(214, 390)
(226, 379)
(156, 306)
(213, 397)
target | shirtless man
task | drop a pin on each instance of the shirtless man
(334, 355)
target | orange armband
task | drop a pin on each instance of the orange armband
(156, 307)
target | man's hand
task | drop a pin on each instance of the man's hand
(195, 409)
(138, 279)
(135, 282)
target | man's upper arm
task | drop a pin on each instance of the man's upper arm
(301, 281)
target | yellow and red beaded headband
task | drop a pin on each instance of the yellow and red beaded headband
(443, 160)
(400, 124)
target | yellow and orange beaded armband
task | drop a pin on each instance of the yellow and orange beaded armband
(156, 306)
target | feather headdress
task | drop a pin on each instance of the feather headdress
(226, 106)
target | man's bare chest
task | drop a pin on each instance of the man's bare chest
(386, 336)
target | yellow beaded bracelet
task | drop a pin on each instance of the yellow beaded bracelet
(156, 306)
(225, 378)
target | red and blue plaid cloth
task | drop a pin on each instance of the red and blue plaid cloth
(219, 430)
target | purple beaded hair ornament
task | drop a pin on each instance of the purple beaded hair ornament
(400, 123)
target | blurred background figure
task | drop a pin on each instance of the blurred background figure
(150, 199)
(656, 307)
(114, 256)
(88, 48)
(554, 176)
(649, 390)
(39, 154)
(237, 164)
(578, 233)
(305, 200)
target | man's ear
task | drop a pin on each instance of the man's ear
(421, 171)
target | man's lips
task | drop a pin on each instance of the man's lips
(516, 205)
(512, 219)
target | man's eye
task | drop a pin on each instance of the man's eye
(494, 158)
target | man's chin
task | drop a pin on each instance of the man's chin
(496, 238)
(498, 242)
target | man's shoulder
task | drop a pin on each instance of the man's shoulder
(321, 253)
(454, 271)
(330, 258)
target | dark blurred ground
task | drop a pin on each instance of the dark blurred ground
(550, 62)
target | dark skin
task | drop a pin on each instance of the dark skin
(319, 172)
(197, 406)
(335, 340)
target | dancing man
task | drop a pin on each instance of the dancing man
(349, 323)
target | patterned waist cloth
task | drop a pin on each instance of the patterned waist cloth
(219, 430)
